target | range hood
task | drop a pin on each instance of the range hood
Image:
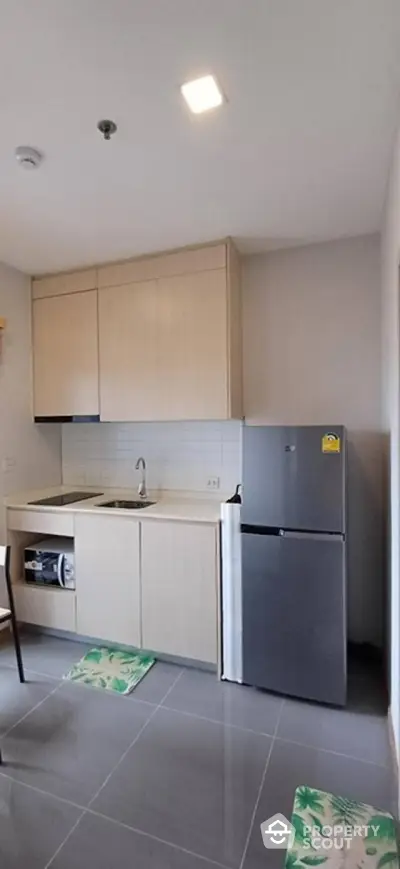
(80, 418)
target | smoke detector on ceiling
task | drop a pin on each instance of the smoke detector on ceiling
(28, 157)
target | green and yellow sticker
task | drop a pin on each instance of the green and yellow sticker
(330, 442)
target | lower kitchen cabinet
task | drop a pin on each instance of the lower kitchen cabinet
(47, 607)
(107, 560)
(179, 589)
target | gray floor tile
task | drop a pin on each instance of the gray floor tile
(202, 694)
(156, 682)
(355, 732)
(100, 844)
(292, 765)
(32, 826)
(73, 740)
(190, 782)
(366, 687)
(17, 699)
(44, 654)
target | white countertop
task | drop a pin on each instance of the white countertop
(177, 506)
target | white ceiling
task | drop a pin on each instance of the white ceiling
(299, 153)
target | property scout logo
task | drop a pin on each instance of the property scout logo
(278, 832)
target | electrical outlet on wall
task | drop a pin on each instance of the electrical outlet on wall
(213, 483)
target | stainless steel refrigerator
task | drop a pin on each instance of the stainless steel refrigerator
(293, 561)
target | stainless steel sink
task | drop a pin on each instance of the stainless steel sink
(127, 505)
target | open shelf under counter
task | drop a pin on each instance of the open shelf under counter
(37, 604)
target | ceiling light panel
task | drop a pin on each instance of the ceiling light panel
(202, 94)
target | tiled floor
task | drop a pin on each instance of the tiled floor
(179, 775)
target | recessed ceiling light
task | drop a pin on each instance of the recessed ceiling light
(202, 94)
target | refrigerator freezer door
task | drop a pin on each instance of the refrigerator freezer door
(291, 480)
(294, 623)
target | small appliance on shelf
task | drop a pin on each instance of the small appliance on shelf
(51, 562)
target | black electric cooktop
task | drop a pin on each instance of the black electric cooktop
(66, 498)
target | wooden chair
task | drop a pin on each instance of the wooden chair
(8, 615)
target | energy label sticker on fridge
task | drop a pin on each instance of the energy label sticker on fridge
(330, 442)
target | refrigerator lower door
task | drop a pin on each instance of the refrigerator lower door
(294, 622)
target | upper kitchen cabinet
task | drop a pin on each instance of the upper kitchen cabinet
(193, 342)
(170, 337)
(65, 282)
(65, 355)
(129, 387)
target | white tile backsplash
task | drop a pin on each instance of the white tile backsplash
(179, 455)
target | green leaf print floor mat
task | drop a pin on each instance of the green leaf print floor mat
(333, 832)
(111, 669)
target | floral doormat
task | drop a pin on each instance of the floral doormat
(111, 669)
(333, 832)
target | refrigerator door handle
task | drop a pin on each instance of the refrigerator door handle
(309, 535)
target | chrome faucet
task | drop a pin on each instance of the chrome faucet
(141, 465)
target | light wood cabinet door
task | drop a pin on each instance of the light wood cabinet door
(193, 346)
(179, 589)
(48, 607)
(66, 282)
(129, 353)
(65, 355)
(164, 349)
(107, 578)
(176, 262)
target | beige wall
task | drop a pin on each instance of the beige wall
(312, 356)
(391, 406)
(30, 456)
